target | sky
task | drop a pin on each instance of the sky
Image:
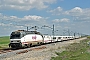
(65, 15)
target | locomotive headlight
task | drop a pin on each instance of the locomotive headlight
(18, 41)
(11, 41)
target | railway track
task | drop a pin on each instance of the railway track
(6, 50)
(21, 50)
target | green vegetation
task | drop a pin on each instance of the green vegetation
(4, 41)
(76, 51)
(88, 37)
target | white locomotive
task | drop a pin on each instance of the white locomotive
(24, 38)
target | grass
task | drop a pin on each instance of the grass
(76, 51)
(4, 41)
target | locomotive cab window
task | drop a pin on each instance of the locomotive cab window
(15, 35)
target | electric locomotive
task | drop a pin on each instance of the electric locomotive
(23, 38)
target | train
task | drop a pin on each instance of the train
(23, 38)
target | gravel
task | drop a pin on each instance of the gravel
(39, 54)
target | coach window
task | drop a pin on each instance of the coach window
(59, 37)
(54, 37)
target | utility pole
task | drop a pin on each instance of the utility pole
(27, 28)
(53, 30)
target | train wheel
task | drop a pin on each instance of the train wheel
(38, 43)
(29, 45)
(41, 43)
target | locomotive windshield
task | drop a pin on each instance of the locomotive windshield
(15, 35)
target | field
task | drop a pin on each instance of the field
(76, 51)
(4, 41)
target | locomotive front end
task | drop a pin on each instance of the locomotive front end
(15, 39)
